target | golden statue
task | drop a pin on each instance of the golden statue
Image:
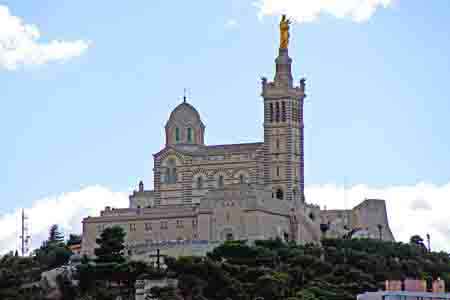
(284, 32)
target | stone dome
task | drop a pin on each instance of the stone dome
(185, 126)
(184, 113)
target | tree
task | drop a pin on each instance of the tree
(68, 290)
(53, 252)
(74, 239)
(191, 287)
(417, 240)
(305, 295)
(55, 236)
(53, 256)
(111, 245)
(269, 287)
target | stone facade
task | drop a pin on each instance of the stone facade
(238, 191)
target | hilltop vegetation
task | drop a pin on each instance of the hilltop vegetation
(339, 269)
(17, 272)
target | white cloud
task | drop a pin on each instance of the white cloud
(415, 209)
(309, 10)
(19, 44)
(67, 210)
(231, 23)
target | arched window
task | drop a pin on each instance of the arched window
(280, 194)
(200, 182)
(220, 182)
(277, 112)
(171, 171)
(271, 112)
(189, 135)
(241, 179)
(283, 111)
(177, 135)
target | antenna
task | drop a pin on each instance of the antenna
(345, 193)
(24, 237)
(345, 201)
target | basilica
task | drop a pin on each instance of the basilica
(206, 194)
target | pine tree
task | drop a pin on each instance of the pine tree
(111, 245)
(74, 239)
(55, 236)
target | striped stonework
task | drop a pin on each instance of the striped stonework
(282, 127)
(249, 191)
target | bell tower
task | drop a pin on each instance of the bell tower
(283, 127)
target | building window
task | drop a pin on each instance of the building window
(164, 225)
(132, 227)
(148, 226)
(278, 171)
(177, 134)
(220, 182)
(283, 111)
(171, 171)
(271, 112)
(277, 112)
(199, 182)
(229, 237)
(277, 144)
(294, 112)
(241, 179)
(189, 135)
(180, 224)
(279, 194)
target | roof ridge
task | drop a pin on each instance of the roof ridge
(236, 144)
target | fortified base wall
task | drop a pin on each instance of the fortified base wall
(367, 220)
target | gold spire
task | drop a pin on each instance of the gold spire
(284, 32)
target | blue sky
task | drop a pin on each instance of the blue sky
(377, 111)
